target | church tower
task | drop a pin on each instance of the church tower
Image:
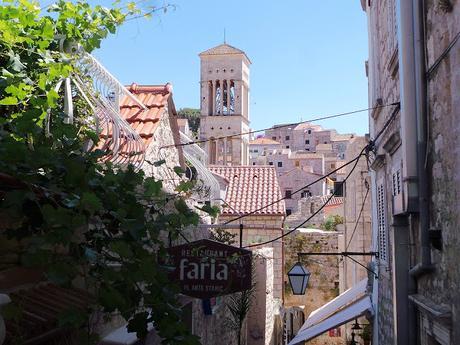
(225, 104)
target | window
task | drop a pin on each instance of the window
(338, 188)
(305, 193)
(396, 191)
(288, 212)
(287, 137)
(332, 165)
(307, 142)
(288, 194)
(280, 164)
(256, 151)
(397, 182)
(253, 163)
(287, 146)
(309, 131)
(382, 223)
(273, 138)
(297, 163)
(270, 163)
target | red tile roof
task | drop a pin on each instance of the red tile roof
(335, 201)
(264, 141)
(307, 125)
(224, 49)
(250, 188)
(145, 122)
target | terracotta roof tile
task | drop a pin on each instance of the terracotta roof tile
(145, 122)
(250, 188)
(264, 141)
(335, 201)
(308, 125)
(224, 49)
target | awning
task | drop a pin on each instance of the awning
(347, 306)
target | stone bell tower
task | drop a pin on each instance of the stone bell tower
(225, 104)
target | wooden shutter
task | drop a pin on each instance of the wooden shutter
(382, 223)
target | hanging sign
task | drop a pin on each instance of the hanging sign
(206, 268)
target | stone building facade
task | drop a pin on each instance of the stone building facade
(260, 147)
(306, 136)
(303, 151)
(357, 234)
(414, 59)
(294, 180)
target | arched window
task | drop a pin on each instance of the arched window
(225, 97)
(210, 99)
(212, 151)
(229, 153)
(218, 97)
(232, 97)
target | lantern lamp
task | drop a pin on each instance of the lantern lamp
(298, 279)
(356, 326)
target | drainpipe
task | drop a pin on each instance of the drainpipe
(408, 102)
(425, 265)
(413, 133)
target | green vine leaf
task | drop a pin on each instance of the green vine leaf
(90, 202)
(10, 100)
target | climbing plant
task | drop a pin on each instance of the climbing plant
(75, 218)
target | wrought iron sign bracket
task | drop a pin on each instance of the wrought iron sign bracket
(346, 254)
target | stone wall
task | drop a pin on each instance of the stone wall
(383, 89)
(441, 287)
(212, 329)
(323, 285)
(163, 136)
(261, 228)
(307, 207)
(260, 326)
(294, 180)
(357, 229)
(441, 21)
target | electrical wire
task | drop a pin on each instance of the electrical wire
(366, 149)
(362, 265)
(201, 141)
(446, 51)
(356, 160)
(294, 192)
(387, 123)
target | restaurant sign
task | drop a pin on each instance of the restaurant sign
(206, 268)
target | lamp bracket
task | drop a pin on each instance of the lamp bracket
(346, 254)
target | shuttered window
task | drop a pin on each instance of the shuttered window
(382, 223)
(397, 182)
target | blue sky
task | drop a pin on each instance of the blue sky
(307, 56)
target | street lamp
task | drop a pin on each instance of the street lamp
(298, 279)
(356, 326)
